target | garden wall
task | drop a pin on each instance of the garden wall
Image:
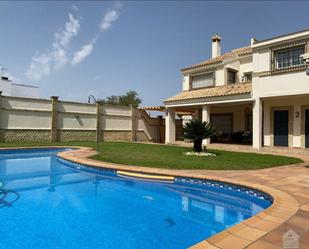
(44, 120)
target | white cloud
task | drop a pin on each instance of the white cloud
(106, 23)
(39, 67)
(43, 64)
(57, 56)
(107, 20)
(80, 55)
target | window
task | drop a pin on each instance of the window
(202, 80)
(247, 77)
(288, 57)
(231, 76)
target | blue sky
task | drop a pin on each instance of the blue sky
(71, 49)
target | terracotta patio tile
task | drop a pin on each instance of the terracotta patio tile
(300, 222)
(271, 218)
(203, 245)
(303, 213)
(301, 200)
(231, 241)
(217, 237)
(291, 188)
(305, 208)
(303, 244)
(305, 235)
(276, 235)
(262, 244)
(248, 233)
(262, 224)
(302, 184)
(301, 194)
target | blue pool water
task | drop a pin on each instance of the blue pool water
(46, 202)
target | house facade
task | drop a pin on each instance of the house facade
(10, 88)
(256, 95)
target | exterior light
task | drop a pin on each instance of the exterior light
(297, 114)
(91, 97)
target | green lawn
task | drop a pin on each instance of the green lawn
(173, 156)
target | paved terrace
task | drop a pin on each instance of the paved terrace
(288, 185)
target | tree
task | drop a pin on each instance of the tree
(130, 98)
(196, 131)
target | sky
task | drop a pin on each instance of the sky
(73, 49)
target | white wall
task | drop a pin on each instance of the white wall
(116, 110)
(116, 123)
(6, 87)
(36, 114)
(20, 119)
(19, 90)
(220, 76)
(77, 121)
(282, 85)
(9, 88)
(26, 103)
(241, 65)
(261, 60)
(245, 67)
(25, 113)
(65, 106)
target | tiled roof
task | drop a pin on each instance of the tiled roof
(219, 91)
(239, 52)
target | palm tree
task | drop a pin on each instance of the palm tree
(197, 130)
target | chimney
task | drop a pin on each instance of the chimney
(252, 41)
(216, 47)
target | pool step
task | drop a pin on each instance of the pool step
(143, 176)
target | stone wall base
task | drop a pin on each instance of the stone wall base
(76, 135)
(25, 136)
(116, 135)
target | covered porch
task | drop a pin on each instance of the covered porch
(232, 121)
(231, 109)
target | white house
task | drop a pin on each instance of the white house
(257, 94)
(10, 88)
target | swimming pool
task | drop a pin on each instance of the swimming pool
(47, 202)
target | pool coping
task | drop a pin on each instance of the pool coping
(241, 235)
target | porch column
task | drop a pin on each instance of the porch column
(297, 126)
(257, 123)
(206, 118)
(170, 126)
